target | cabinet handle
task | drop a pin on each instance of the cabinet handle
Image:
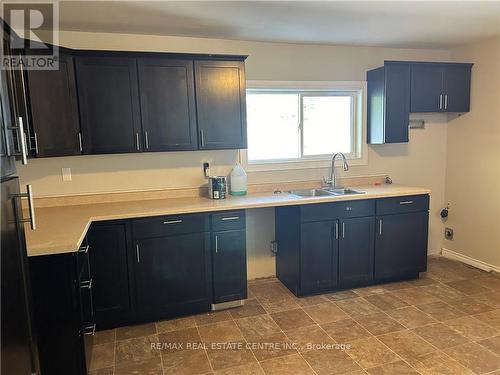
(86, 284)
(137, 141)
(84, 249)
(36, 143)
(89, 330)
(446, 101)
(80, 141)
(24, 151)
(202, 138)
(216, 244)
(441, 101)
(230, 218)
(172, 221)
(31, 206)
(146, 139)
(343, 230)
(137, 254)
(406, 202)
(380, 227)
(336, 230)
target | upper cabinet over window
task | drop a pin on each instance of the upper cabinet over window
(220, 100)
(400, 87)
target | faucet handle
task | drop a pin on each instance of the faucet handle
(327, 181)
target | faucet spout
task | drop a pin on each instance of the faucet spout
(333, 174)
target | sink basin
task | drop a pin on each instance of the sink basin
(311, 193)
(343, 191)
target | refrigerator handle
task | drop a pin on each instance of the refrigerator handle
(31, 206)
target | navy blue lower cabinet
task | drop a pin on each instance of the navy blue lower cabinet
(173, 275)
(111, 265)
(349, 244)
(229, 265)
(356, 248)
(62, 311)
(401, 245)
(318, 256)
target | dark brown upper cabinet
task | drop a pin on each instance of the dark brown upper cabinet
(440, 87)
(54, 110)
(108, 96)
(167, 103)
(220, 101)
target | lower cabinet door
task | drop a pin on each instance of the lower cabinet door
(356, 245)
(229, 266)
(173, 275)
(109, 264)
(401, 245)
(318, 256)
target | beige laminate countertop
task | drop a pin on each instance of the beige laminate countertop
(62, 229)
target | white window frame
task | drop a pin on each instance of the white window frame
(357, 89)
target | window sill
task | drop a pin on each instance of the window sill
(296, 164)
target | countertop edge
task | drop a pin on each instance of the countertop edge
(65, 248)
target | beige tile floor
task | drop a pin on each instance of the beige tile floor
(447, 322)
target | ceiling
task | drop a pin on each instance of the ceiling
(412, 24)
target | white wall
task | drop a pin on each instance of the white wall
(420, 162)
(473, 160)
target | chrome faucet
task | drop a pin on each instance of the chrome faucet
(333, 176)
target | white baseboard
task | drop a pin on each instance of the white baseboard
(468, 260)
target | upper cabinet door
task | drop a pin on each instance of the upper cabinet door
(168, 112)
(457, 88)
(397, 103)
(427, 88)
(54, 110)
(109, 104)
(220, 99)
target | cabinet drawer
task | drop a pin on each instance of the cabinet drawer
(331, 211)
(229, 220)
(159, 226)
(397, 205)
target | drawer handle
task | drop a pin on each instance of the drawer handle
(230, 218)
(172, 221)
(348, 208)
(89, 330)
(86, 284)
(216, 244)
(84, 249)
(406, 202)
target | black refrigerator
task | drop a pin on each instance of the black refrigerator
(19, 355)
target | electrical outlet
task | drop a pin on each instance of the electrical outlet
(66, 174)
(448, 234)
(274, 247)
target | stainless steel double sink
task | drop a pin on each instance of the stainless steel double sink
(325, 192)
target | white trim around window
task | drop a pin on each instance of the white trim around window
(355, 88)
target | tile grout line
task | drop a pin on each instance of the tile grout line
(437, 349)
(267, 313)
